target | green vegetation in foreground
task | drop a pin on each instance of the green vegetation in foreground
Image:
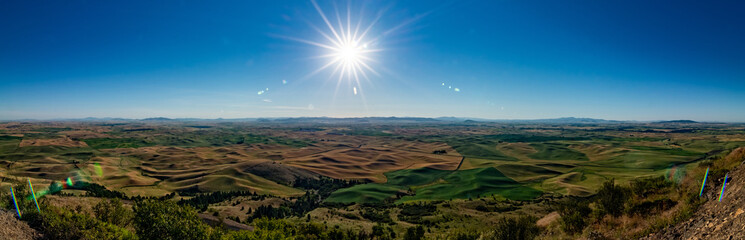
(433, 184)
(556, 151)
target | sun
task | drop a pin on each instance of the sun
(351, 45)
(349, 51)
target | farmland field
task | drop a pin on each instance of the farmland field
(351, 168)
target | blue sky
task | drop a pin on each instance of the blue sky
(624, 60)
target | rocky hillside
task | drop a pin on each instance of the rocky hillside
(714, 219)
(12, 228)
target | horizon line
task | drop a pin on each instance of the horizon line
(360, 117)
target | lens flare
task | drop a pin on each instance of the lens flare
(31, 187)
(98, 169)
(721, 194)
(15, 203)
(703, 183)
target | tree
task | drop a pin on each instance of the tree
(574, 214)
(612, 197)
(414, 233)
(112, 211)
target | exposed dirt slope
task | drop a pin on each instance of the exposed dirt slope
(714, 219)
(12, 228)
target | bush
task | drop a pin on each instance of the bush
(414, 213)
(21, 191)
(574, 214)
(381, 232)
(611, 198)
(376, 216)
(112, 211)
(645, 186)
(57, 223)
(464, 235)
(414, 233)
(265, 228)
(522, 227)
(158, 219)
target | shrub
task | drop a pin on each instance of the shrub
(376, 216)
(414, 233)
(611, 198)
(158, 219)
(382, 232)
(652, 206)
(522, 227)
(645, 186)
(57, 223)
(574, 214)
(414, 213)
(112, 211)
(464, 235)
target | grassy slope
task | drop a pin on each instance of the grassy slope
(431, 184)
(473, 183)
(364, 193)
(556, 151)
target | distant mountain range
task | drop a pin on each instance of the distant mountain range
(564, 120)
(676, 122)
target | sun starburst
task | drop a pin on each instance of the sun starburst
(349, 50)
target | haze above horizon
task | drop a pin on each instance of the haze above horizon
(621, 60)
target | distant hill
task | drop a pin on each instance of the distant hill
(350, 120)
(575, 120)
(565, 120)
(334, 120)
(159, 119)
(676, 122)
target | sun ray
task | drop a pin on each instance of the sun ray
(307, 42)
(326, 20)
(369, 68)
(338, 44)
(341, 26)
(349, 19)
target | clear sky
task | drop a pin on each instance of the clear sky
(623, 60)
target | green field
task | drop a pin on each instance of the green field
(365, 193)
(474, 183)
(104, 143)
(556, 151)
(432, 184)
